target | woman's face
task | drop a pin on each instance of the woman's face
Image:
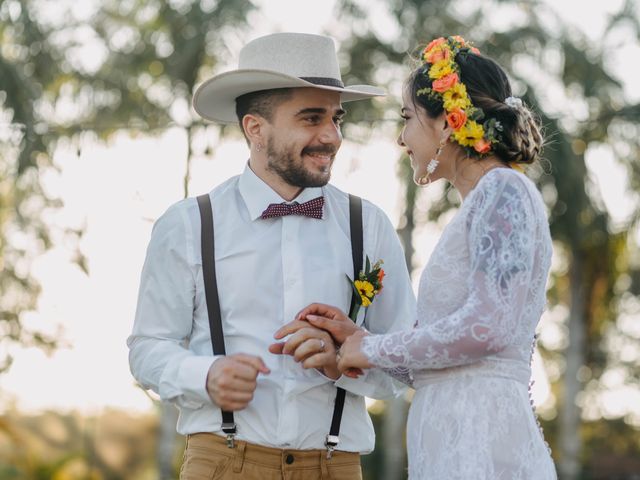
(421, 136)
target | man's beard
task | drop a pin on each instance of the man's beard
(284, 164)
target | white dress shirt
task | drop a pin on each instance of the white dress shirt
(267, 271)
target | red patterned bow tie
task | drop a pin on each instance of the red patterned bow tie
(312, 208)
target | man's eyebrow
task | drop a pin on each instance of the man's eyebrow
(319, 110)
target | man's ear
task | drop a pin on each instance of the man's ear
(254, 126)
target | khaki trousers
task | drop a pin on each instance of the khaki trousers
(207, 457)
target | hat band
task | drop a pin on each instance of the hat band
(326, 81)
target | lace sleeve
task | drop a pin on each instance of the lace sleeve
(402, 374)
(500, 238)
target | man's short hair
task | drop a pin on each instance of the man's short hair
(262, 102)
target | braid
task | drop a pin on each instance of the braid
(531, 136)
(522, 138)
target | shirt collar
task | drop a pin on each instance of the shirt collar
(257, 195)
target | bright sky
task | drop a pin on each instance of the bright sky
(117, 191)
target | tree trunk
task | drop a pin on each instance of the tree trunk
(393, 434)
(395, 419)
(187, 173)
(570, 414)
(168, 412)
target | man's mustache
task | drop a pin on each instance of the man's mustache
(326, 150)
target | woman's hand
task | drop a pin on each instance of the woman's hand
(350, 354)
(330, 319)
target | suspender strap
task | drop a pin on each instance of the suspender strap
(355, 221)
(211, 296)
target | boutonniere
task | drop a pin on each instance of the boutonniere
(366, 286)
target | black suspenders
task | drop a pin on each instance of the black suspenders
(213, 301)
(215, 317)
(355, 223)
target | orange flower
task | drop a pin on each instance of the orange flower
(482, 146)
(434, 43)
(437, 54)
(445, 83)
(475, 50)
(381, 275)
(456, 118)
(459, 39)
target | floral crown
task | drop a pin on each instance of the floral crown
(469, 129)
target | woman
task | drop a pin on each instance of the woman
(482, 292)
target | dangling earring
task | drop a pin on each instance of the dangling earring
(258, 147)
(432, 165)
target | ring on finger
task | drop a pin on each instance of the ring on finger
(322, 345)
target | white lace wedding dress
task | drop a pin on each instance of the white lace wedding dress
(480, 298)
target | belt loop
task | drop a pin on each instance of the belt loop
(238, 461)
(324, 469)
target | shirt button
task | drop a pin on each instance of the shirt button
(289, 459)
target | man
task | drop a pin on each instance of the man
(287, 97)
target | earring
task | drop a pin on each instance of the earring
(432, 165)
(258, 147)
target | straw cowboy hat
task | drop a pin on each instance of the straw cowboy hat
(281, 60)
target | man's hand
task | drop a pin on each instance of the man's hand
(231, 380)
(329, 318)
(312, 347)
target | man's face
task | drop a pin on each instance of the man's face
(304, 136)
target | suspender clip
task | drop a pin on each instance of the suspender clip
(230, 429)
(331, 443)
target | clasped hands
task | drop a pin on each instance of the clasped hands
(320, 337)
(319, 325)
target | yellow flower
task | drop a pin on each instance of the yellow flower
(366, 291)
(456, 97)
(364, 287)
(469, 134)
(440, 69)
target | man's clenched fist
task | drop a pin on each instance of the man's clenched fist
(231, 380)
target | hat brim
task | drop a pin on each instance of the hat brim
(215, 99)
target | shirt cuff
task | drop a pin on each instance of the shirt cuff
(193, 378)
(358, 386)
